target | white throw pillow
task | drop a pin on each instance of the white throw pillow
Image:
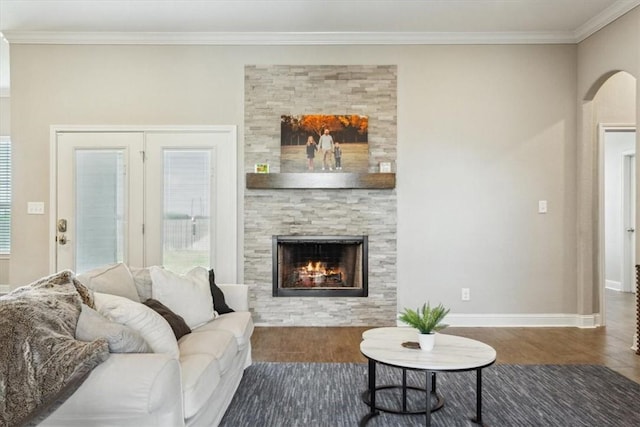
(122, 339)
(187, 295)
(142, 282)
(113, 279)
(153, 328)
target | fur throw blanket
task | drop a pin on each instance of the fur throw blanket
(41, 363)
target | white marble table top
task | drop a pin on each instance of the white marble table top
(451, 353)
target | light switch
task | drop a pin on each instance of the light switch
(35, 208)
(542, 206)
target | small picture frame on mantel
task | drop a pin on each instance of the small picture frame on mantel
(261, 168)
(385, 167)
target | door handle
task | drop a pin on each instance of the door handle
(62, 240)
(631, 230)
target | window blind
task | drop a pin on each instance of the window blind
(5, 196)
(187, 205)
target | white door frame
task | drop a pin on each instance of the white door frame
(232, 187)
(628, 187)
(602, 129)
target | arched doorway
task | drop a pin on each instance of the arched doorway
(609, 106)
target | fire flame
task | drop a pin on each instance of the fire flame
(317, 273)
(318, 267)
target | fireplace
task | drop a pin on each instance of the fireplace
(320, 266)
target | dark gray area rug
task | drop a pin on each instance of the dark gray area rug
(330, 394)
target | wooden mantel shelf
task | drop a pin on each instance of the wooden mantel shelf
(329, 180)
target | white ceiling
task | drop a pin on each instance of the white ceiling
(303, 21)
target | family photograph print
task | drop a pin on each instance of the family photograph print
(324, 143)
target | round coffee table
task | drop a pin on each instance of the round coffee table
(450, 354)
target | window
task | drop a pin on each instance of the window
(5, 195)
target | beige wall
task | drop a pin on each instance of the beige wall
(5, 116)
(484, 132)
(615, 102)
(614, 48)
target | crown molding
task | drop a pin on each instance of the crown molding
(603, 19)
(287, 38)
(609, 15)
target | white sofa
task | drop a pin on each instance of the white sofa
(156, 389)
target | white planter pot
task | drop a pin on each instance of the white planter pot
(427, 341)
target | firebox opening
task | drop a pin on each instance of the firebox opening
(320, 265)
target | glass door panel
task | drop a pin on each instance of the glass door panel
(100, 213)
(187, 209)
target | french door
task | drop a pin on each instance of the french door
(146, 197)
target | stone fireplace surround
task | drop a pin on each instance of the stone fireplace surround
(274, 90)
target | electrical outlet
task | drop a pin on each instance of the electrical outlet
(466, 294)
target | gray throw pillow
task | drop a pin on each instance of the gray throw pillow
(142, 280)
(122, 339)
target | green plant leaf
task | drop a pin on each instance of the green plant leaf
(425, 319)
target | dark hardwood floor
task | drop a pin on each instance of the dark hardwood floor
(609, 346)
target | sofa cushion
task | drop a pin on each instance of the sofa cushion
(219, 304)
(153, 328)
(218, 343)
(179, 327)
(112, 279)
(185, 294)
(205, 355)
(239, 323)
(122, 339)
(200, 377)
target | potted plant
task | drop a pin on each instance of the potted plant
(427, 321)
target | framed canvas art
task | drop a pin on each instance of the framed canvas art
(324, 143)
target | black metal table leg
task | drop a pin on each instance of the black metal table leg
(404, 390)
(372, 394)
(478, 418)
(429, 382)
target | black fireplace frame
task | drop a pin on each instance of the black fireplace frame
(320, 292)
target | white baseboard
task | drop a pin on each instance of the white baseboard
(510, 320)
(521, 320)
(5, 289)
(613, 285)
